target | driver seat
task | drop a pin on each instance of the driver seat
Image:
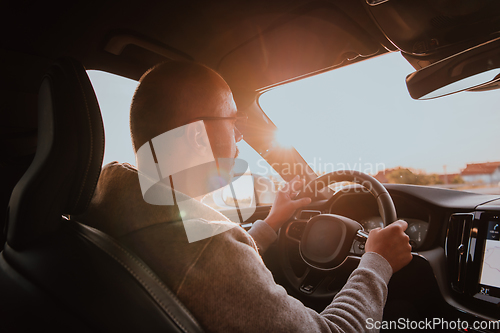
(57, 273)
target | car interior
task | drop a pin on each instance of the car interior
(59, 274)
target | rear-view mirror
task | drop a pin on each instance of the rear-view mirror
(473, 69)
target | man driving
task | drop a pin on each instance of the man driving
(221, 279)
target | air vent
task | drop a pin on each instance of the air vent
(457, 248)
(308, 214)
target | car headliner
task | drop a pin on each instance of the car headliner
(253, 44)
(203, 31)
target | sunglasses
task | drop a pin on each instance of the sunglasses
(241, 119)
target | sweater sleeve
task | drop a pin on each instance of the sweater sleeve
(243, 296)
(362, 299)
(263, 235)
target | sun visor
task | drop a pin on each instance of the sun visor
(311, 41)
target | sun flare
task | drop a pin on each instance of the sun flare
(284, 138)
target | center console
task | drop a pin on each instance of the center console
(473, 258)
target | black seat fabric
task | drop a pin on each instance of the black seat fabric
(102, 285)
(18, 123)
(56, 273)
(66, 167)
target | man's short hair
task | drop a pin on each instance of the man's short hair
(168, 96)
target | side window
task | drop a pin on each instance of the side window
(114, 94)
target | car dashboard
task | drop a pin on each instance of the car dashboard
(455, 242)
(362, 207)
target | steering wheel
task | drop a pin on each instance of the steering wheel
(317, 256)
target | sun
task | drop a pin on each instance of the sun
(284, 138)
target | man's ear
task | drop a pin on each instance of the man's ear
(197, 138)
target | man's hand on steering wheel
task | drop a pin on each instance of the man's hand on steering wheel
(391, 243)
(284, 204)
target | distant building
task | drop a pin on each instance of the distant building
(485, 173)
(449, 178)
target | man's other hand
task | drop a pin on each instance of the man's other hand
(284, 205)
(391, 243)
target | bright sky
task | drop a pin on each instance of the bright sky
(360, 115)
(363, 113)
(114, 94)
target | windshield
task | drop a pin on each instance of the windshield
(361, 117)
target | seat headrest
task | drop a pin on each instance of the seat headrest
(68, 159)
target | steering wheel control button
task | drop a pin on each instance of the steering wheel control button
(307, 289)
(311, 281)
(358, 248)
(362, 235)
(296, 229)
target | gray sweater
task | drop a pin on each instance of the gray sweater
(222, 280)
